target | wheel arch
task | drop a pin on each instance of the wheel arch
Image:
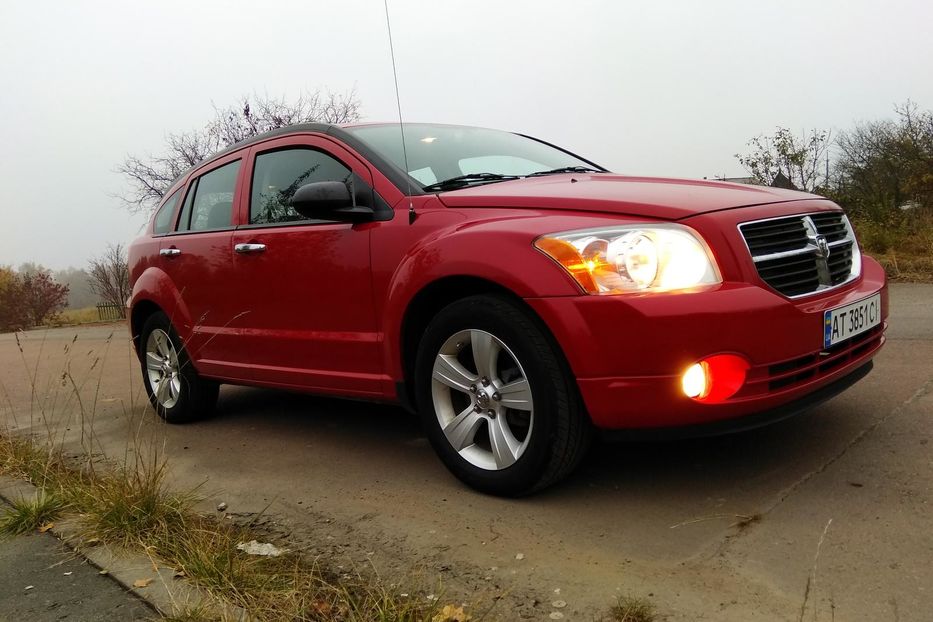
(141, 311)
(433, 297)
(154, 291)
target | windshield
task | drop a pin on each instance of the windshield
(445, 157)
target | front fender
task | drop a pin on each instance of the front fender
(498, 250)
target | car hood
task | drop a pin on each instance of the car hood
(653, 197)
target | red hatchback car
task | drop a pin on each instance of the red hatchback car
(516, 295)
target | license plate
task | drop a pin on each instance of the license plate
(845, 322)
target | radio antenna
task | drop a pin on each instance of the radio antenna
(401, 126)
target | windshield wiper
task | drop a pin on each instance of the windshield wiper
(566, 169)
(464, 180)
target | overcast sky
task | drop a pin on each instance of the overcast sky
(663, 88)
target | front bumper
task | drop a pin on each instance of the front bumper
(748, 422)
(628, 352)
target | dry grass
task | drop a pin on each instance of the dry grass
(906, 268)
(632, 609)
(27, 515)
(904, 246)
(73, 317)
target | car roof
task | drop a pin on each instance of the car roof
(387, 168)
(399, 178)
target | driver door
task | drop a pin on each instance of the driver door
(304, 286)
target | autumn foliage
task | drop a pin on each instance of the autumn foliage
(29, 299)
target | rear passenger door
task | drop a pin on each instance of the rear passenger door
(306, 283)
(197, 257)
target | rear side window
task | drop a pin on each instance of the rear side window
(209, 204)
(163, 219)
(278, 174)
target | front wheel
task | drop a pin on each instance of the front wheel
(497, 402)
(176, 391)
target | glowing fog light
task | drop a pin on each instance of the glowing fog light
(715, 378)
(694, 381)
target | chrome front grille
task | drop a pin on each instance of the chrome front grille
(803, 254)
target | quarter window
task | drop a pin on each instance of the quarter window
(209, 204)
(163, 219)
(278, 174)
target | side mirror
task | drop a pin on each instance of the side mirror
(328, 200)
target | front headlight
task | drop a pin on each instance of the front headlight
(637, 258)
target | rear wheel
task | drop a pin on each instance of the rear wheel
(496, 400)
(176, 391)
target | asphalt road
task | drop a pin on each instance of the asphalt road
(841, 497)
(42, 581)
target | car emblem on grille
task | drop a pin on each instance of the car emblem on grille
(820, 245)
(818, 241)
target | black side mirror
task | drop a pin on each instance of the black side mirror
(328, 200)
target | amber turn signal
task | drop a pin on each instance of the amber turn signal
(567, 255)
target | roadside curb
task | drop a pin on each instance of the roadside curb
(166, 594)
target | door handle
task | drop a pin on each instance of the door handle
(170, 252)
(249, 248)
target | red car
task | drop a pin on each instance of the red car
(516, 295)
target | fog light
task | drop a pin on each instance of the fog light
(694, 381)
(715, 378)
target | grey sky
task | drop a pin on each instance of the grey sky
(666, 88)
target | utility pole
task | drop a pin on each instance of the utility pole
(827, 168)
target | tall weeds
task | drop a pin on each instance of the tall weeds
(903, 245)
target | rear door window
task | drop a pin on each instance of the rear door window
(278, 174)
(209, 204)
(163, 220)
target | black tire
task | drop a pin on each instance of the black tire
(197, 397)
(561, 430)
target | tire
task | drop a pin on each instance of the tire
(507, 443)
(180, 395)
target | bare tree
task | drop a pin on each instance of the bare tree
(151, 176)
(888, 164)
(799, 158)
(109, 276)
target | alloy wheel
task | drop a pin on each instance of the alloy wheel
(482, 399)
(162, 368)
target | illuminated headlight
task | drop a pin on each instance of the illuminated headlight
(648, 258)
